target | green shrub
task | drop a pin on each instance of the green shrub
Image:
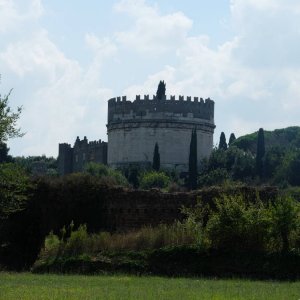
(78, 242)
(96, 169)
(14, 187)
(81, 243)
(285, 216)
(154, 179)
(108, 176)
(236, 225)
(214, 177)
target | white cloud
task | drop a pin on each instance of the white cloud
(36, 53)
(253, 77)
(152, 32)
(258, 70)
(14, 13)
(67, 100)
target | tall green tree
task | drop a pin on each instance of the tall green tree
(8, 120)
(4, 156)
(193, 169)
(260, 153)
(156, 158)
(161, 90)
(232, 138)
(222, 143)
(13, 179)
(14, 185)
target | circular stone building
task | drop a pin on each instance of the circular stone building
(134, 127)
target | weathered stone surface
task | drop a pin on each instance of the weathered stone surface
(128, 209)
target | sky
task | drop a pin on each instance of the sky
(65, 59)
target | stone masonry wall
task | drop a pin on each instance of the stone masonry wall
(124, 210)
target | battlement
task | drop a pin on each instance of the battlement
(85, 143)
(120, 108)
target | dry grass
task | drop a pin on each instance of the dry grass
(80, 242)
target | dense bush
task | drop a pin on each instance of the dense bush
(14, 189)
(154, 179)
(107, 175)
(236, 225)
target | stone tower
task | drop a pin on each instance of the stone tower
(73, 159)
(133, 128)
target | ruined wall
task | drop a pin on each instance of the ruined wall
(73, 159)
(126, 209)
(84, 152)
(65, 159)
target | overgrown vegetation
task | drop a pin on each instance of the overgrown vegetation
(263, 157)
(106, 175)
(154, 179)
(231, 228)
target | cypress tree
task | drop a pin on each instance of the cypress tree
(156, 158)
(260, 153)
(193, 172)
(222, 143)
(232, 138)
(4, 157)
(161, 90)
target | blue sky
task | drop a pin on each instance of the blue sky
(64, 59)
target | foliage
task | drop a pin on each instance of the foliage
(8, 120)
(161, 90)
(132, 173)
(193, 161)
(96, 169)
(293, 169)
(108, 175)
(236, 225)
(213, 177)
(260, 153)
(232, 138)
(277, 160)
(14, 186)
(231, 164)
(4, 156)
(156, 158)
(232, 236)
(283, 138)
(285, 216)
(153, 179)
(81, 243)
(272, 161)
(222, 142)
(38, 165)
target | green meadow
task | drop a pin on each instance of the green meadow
(25, 286)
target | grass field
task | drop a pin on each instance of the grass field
(28, 286)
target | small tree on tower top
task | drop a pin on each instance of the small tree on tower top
(161, 90)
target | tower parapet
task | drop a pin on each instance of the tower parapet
(147, 107)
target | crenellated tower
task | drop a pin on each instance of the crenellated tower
(133, 128)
